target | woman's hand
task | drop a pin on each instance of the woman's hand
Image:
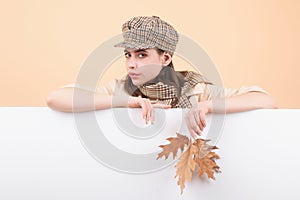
(147, 107)
(195, 118)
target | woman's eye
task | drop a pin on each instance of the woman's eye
(141, 55)
(127, 55)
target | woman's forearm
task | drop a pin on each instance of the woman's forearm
(78, 100)
(69, 100)
(242, 102)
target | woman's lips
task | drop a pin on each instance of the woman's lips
(133, 75)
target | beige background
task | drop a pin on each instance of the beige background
(44, 43)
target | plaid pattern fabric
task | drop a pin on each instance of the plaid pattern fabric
(191, 79)
(168, 95)
(160, 93)
(147, 32)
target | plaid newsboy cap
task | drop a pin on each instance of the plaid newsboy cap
(144, 32)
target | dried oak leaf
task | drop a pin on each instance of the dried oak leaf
(198, 153)
(205, 158)
(175, 143)
(185, 166)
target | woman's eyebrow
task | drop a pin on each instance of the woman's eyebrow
(137, 51)
(140, 50)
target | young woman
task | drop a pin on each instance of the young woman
(151, 81)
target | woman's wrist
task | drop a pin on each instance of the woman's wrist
(206, 106)
(134, 102)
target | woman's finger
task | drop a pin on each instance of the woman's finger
(196, 115)
(191, 131)
(145, 110)
(150, 116)
(199, 123)
(192, 124)
(202, 118)
(149, 110)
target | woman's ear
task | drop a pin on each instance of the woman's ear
(167, 58)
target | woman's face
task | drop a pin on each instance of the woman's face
(143, 64)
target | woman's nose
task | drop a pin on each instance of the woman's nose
(131, 64)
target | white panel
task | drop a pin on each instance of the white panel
(42, 157)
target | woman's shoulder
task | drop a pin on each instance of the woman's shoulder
(194, 77)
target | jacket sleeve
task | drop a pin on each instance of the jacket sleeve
(206, 92)
(107, 89)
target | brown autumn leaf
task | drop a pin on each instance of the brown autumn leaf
(175, 143)
(205, 158)
(198, 153)
(185, 166)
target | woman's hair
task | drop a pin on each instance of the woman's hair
(160, 51)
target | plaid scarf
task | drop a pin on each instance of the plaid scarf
(168, 94)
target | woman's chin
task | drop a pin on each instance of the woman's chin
(137, 83)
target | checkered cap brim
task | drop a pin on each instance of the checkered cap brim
(147, 32)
